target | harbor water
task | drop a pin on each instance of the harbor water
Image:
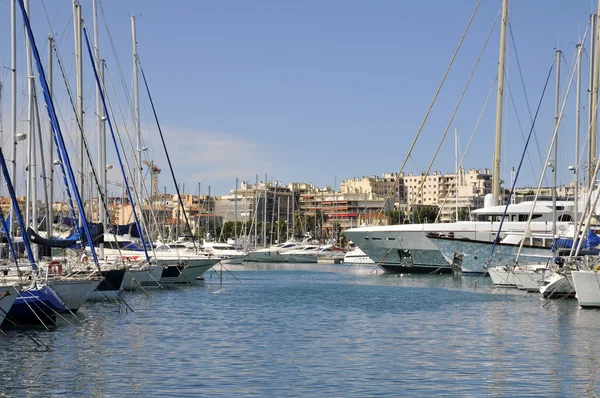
(314, 330)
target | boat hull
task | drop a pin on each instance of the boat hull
(474, 256)
(587, 287)
(502, 277)
(8, 295)
(111, 286)
(35, 306)
(557, 286)
(74, 292)
(401, 251)
(186, 271)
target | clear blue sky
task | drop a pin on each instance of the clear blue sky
(316, 91)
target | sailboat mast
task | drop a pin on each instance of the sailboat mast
(577, 127)
(594, 107)
(79, 94)
(555, 141)
(136, 107)
(499, 100)
(100, 129)
(30, 203)
(456, 168)
(50, 212)
(235, 207)
(591, 103)
(13, 122)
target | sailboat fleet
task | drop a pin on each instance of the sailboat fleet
(538, 246)
(60, 272)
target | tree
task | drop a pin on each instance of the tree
(463, 215)
(396, 216)
(425, 215)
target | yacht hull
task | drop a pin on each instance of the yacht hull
(474, 256)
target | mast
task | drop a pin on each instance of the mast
(287, 224)
(555, 141)
(594, 105)
(30, 202)
(256, 203)
(499, 99)
(136, 108)
(13, 122)
(456, 168)
(79, 93)
(235, 207)
(577, 128)
(264, 226)
(198, 223)
(591, 103)
(51, 150)
(100, 129)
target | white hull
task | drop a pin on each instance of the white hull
(384, 244)
(187, 272)
(473, 256)
(233, 260)
(301, 258)
(154, 275)
(147, 276)
(385, 247)
(265, 257)
(557, 286)
(8, 295)
(74, 292)
(529, 280)
(358, 260)
(502, 277)
(587, 287)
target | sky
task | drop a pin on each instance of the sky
(316, 91)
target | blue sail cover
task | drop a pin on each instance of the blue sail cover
(72, 241)
(590, 241)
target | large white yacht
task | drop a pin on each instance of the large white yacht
(408, 248)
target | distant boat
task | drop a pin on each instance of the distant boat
(357, 256)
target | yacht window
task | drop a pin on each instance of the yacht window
(565, 217)
(377, 238)
(391, 238)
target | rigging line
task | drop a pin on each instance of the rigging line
(60, 157)
(56, 128)
(112, 45)
(397, 180)
(516, 177)
(462, 95)
(167, 153)
(126, 158)
(535, 138)
(553, 140)
(520, 127)
(471, 139)
(137, 222)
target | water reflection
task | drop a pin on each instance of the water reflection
(322, 330)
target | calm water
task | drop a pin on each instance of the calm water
(287, 330)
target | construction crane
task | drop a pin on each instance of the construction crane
(155, 172)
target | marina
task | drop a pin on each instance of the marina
(314, 330)
(405, 284)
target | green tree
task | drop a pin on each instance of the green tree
(396, 216)
(463, 215)
(425, 215)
